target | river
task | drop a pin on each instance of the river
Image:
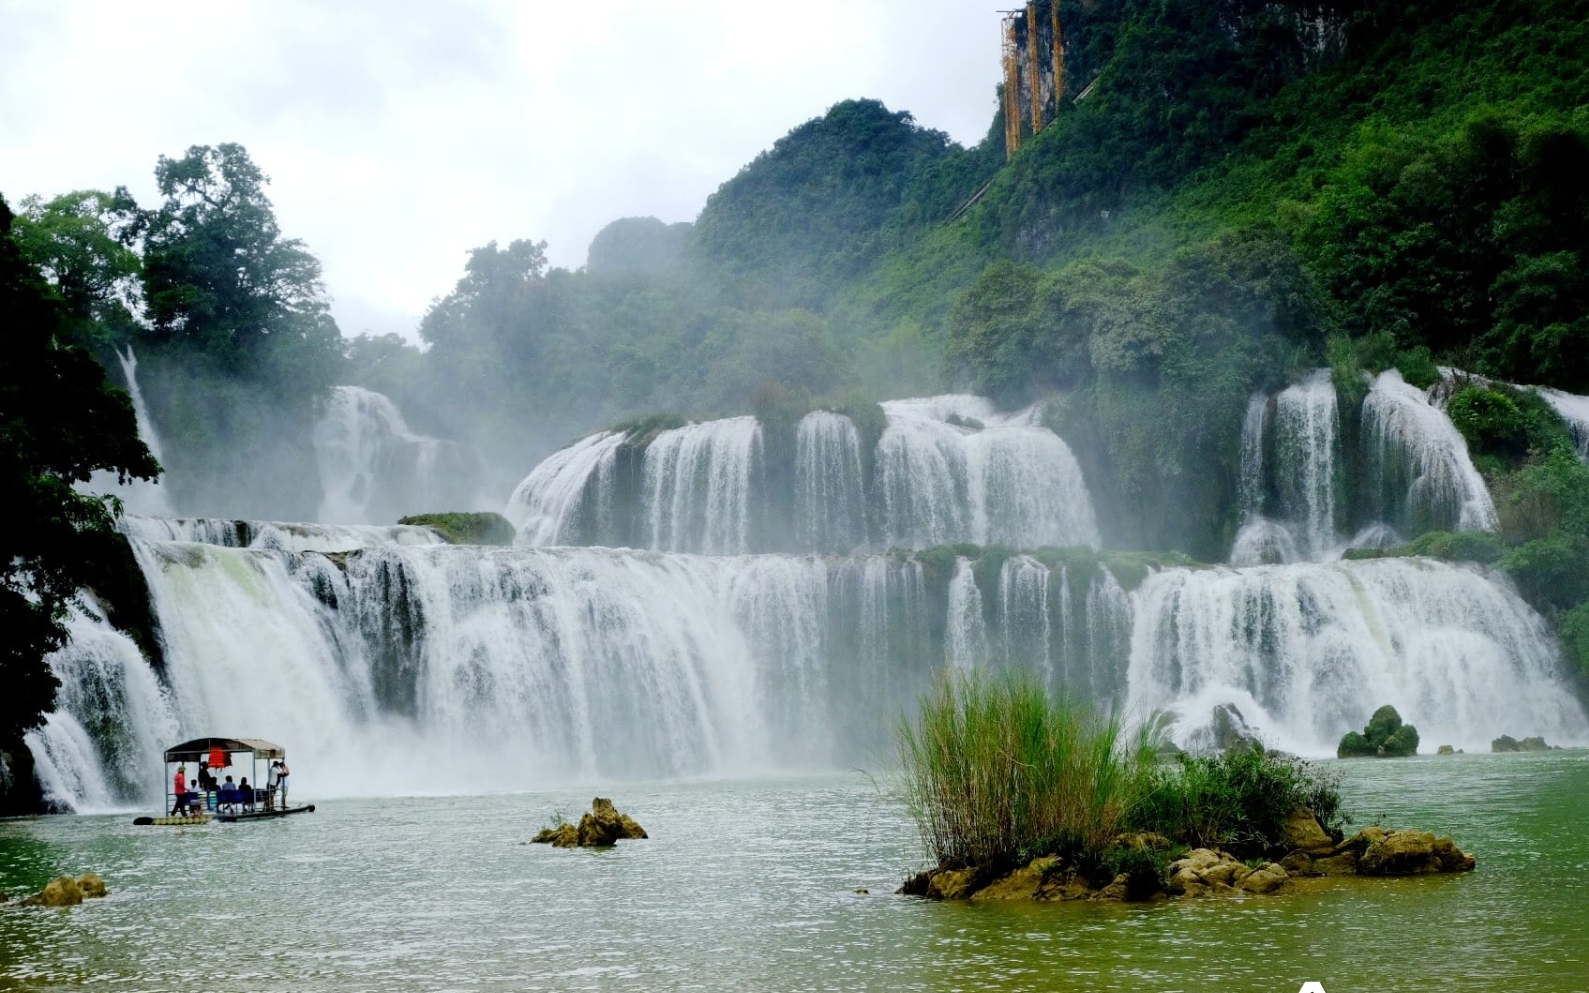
(752, 885)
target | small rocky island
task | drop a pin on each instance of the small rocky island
(1386, 736)
(1022, 796)
(602, 827)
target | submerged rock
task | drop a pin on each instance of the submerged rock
(91, 884)
(1382, 852)
(602, 827)
(467, 529)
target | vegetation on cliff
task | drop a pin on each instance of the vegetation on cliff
(60, 422)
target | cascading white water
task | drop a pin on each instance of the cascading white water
(373, 469)
(1574, 411)
(102, 742)
(547, 506)
(1421, 464)
(1010, 481)
(1307, 446)
(138, 496)
(698, 483)
(1307, 652)
(280, 536)
(966, 633)
(830, 497)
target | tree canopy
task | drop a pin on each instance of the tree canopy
(60, 422)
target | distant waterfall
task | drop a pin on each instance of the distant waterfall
(1307, 652)
(1574, 410)
(947, 469)
(830, 497)
(1424, 476)
(1010, 481)
(138, 496)
(374, 469)
(698, 486)
(567, 492)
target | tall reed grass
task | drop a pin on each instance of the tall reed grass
(997, 771)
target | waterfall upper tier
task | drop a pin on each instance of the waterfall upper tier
(942, 470)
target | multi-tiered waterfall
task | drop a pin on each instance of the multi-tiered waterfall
(373, 468)
(786, 592)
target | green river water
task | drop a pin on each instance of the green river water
(751, 886)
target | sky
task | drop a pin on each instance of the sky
(400, 134)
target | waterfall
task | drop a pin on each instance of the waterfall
(1574, 411)
(138, 496)
(698, 486)
(1420, 462)
(1250, 487)
(1307, 652)
(374, 469)
(566, 492)
(1307, 444)
(1009, 481)
(830, 498)
(966, 632)
(101, 745)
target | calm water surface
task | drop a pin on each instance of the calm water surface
(751, 886)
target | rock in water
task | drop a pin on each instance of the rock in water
(602, 827)
(1386, 736)
(62, 891)
(1507, 743)
(1303, 833)
(91, 885)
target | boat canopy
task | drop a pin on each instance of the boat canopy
(198, 748)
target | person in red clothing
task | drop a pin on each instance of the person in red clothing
(179, 786)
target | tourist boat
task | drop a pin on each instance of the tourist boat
(225, 805)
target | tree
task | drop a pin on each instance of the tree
(77, 241)
(60, 421)
(220, 278)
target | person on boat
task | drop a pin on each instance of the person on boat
(245, 794)
(281, 781)
(179, 786)
(228, 795)
(272, 781)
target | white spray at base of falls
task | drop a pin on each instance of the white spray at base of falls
(697, 486)
(1307, 652)
(1425, 477)
(830, 495)
(1011, 481)
(546, 506)
(373, 469)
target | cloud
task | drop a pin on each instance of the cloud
(400, 135)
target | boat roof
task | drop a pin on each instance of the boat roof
(198, 748)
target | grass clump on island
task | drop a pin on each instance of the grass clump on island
(999, 773)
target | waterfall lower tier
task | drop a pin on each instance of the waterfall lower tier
(1308, 652)
(392, 668)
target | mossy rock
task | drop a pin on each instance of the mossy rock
(1386, 736)
(466, 529)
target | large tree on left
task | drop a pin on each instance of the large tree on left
(60, 421)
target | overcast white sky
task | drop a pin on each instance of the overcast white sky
(398, 135)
